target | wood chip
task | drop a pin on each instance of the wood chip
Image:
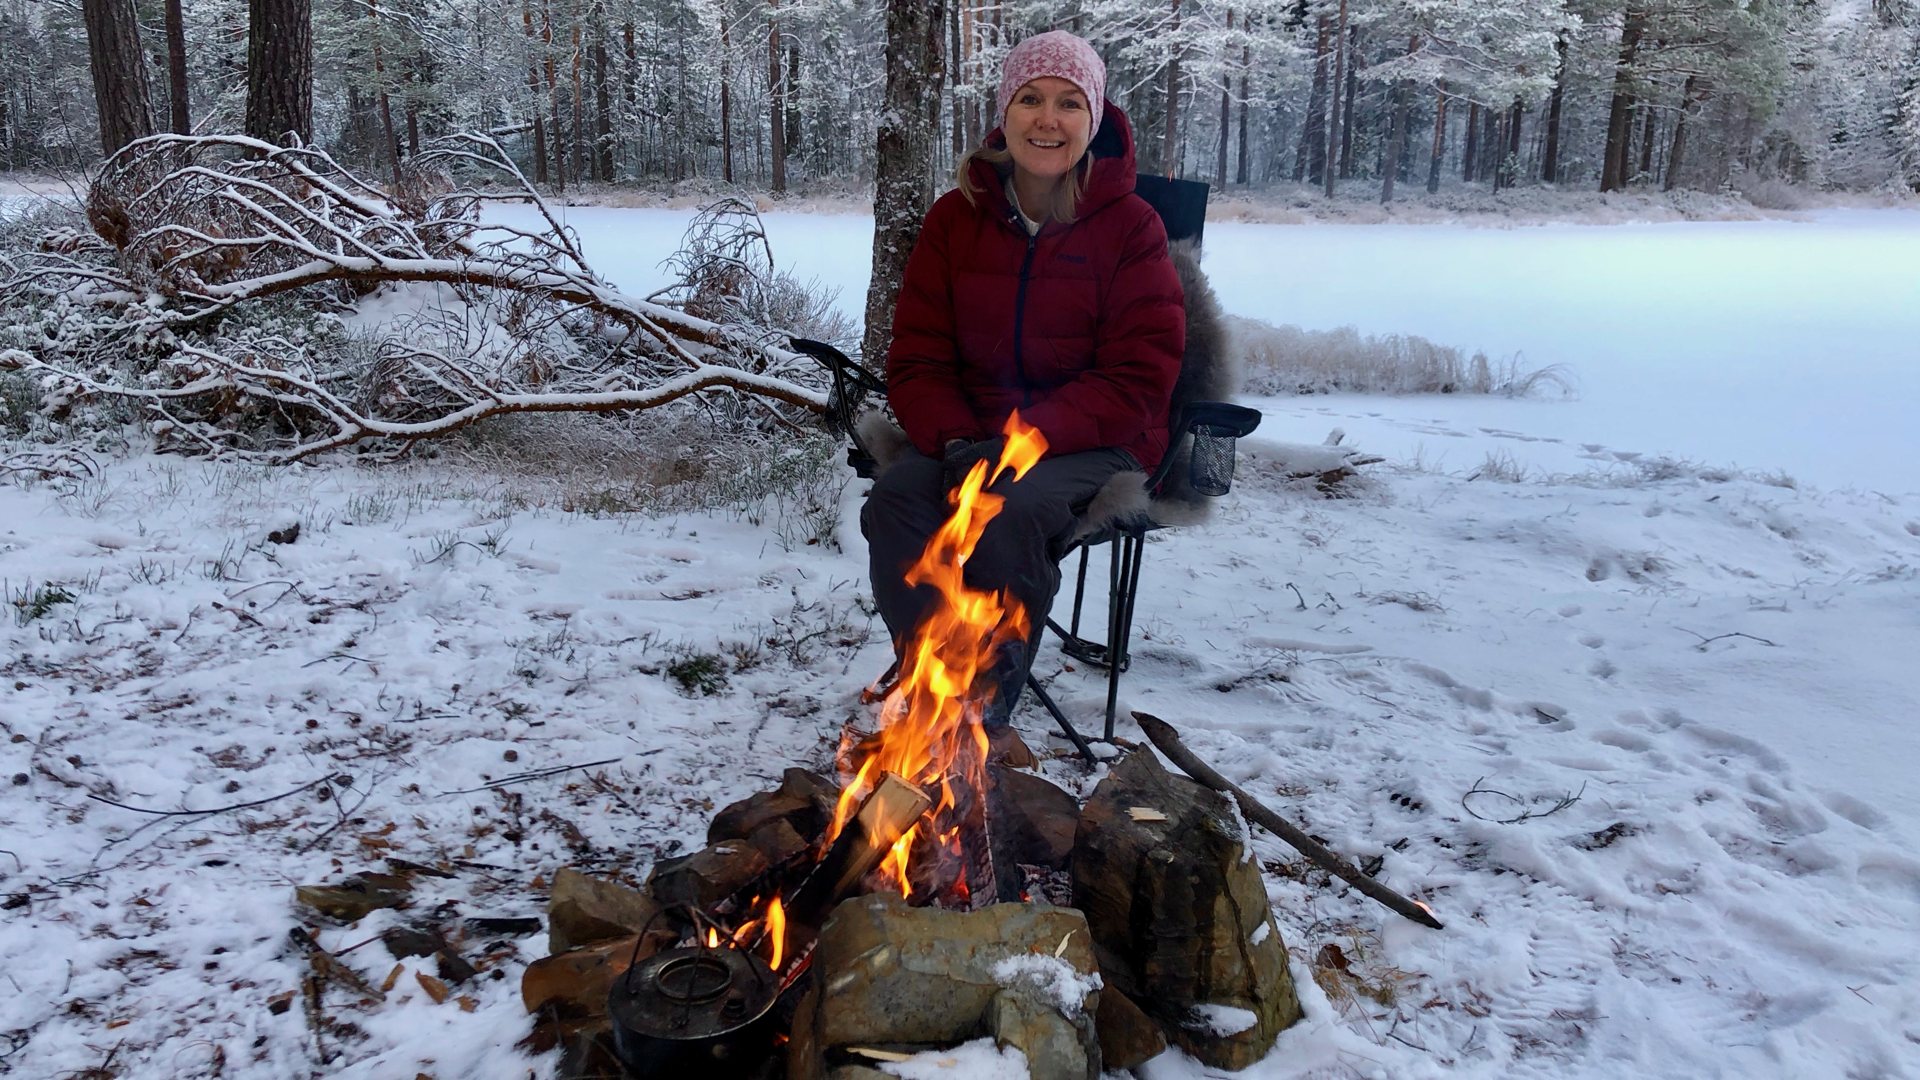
(1145, 813)
(435, 989)
(393, 977)
(1062, 949)
(467, 1003)
(879, 1055)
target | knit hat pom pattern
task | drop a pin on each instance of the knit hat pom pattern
(1062, 56)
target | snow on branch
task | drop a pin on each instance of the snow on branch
(202, 245)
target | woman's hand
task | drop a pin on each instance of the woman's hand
(961, 454)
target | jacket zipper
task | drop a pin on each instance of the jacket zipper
(1019, 317)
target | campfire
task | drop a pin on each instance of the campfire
(931, 898)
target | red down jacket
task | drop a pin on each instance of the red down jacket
(1081, 328)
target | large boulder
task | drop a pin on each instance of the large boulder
(1179, 914)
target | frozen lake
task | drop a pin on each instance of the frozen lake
(1788, 346)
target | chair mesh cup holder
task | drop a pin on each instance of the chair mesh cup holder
(1211, 468)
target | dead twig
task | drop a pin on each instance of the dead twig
(340, 778)
(538, 774)
(1167, 741)
(1706, 641)
(1560, 804)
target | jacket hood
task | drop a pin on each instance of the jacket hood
(1113, 173)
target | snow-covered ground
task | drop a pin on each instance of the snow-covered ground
(1716, 664)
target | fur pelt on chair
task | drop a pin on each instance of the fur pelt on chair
(1209, 371)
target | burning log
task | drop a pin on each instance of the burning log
(892, 809)
(1168, 742)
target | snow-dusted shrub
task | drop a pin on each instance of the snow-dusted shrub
(1290, 360)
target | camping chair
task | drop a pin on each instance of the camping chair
(1198, 466)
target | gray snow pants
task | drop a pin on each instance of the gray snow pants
(1019, 551)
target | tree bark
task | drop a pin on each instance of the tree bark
(1510, 163)
(1346, 111)
(1240, 172)
(1645, 173)
(1226, 116)
(1439, 152)
(1309, 159)
(776, 101)
(177, 68)
(1550, 164)
(1169, 147)
(1470, 149)
(1402, 104)
(602, 100)
(726, 98)
(559, 141)
(280, 69)
(903, 165)
(533, 90)
(1339, 76)
(1620, 114)
(579, 139)
(391, 147)
(1676, 154)
(119, 72)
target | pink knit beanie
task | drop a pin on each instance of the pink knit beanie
(1063, 56)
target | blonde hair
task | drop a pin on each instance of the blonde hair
(1066, 191)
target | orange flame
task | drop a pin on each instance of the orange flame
(931, 733)
(777, 930)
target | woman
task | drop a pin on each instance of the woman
(1041, 284)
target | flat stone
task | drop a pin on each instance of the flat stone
(1033, 821)
(1179, 914)
(889, 975)
(1128, 1036)
(707, 876)
(357, 897)
(574, 985)
(804, 800)
(583, 909)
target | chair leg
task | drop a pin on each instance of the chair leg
(1046, 699)
(1129, 548)
(1079, 591)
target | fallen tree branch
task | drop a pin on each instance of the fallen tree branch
(1167, 741)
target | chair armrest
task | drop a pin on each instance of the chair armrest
(1214, 419)
(851, 384)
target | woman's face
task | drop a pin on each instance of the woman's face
(1048, 125)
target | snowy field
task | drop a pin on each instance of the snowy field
(1686, 598)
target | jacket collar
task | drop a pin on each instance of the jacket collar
(1112, 178)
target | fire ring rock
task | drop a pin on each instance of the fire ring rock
(888, 974)
(1179, 914)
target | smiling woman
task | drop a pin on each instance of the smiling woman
(1042, 287)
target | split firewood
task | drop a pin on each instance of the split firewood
(1167, 740)
(888, 813)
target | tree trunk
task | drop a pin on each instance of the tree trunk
(1240, 173)
(602, 100)
(579, 139)
(1620, 114)
(533, 90)
(1510, 164)
(1226, 116)
(957, 60)
(726, 98)
(1346, 111)
(119, 72)
(1312, 154)
(1169, 146)
(553, 97)
(1676, 154)
(1492, 140)
(903, 165)
(1645, 175)
(177, 69)
(776, 101)
(391, 142)
(1470, 149)
(1439, 138)
(280, 69)
(1550, 165)
(630, 84)
(792, 93)
(1339, 77)
(1401, 105)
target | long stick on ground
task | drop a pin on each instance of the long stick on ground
(1168, 742)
